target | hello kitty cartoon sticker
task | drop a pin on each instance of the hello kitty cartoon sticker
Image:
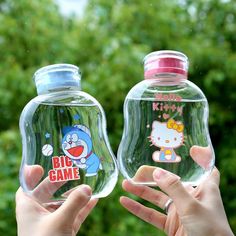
(167, 135)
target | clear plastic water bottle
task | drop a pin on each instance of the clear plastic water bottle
(64, 139)
(166, 124)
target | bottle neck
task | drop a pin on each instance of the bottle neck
(59, 89)
(165, 77)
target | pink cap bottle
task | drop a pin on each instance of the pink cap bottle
(166, 123)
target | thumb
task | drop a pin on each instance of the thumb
(171, 184)
(203, 156)
(215, 176)
(210, 187)
(77, 199)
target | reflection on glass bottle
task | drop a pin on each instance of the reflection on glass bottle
(64, 139)
(166, 123)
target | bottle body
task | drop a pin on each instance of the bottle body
(166, 126)
(65, 145)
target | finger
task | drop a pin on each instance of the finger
(209, 189)
(147, 214)
(19, 193)
(67, 213)
(203, 156)
(156, 197)
(171, 185)
(24, 203)
(181, 231)
(45, 190)
(172, 223)
(21, 198)
(85, 211)
(144, 174)
(215, 176)
(32, 174)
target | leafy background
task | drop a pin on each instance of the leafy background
(109, 43)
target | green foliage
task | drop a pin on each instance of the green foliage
(108, 44)
(9, 162)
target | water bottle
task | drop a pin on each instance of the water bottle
(166, 124)
(64, 139)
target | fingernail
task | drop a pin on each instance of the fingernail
(86, 189)
(159, 173)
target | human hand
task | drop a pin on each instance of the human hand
(34, 218)
(194, 211)
(203, 156)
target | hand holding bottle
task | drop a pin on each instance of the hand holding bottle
(34, 218)
(189, 211)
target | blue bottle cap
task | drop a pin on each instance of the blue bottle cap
(57, 77)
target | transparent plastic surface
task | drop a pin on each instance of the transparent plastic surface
(65, 144)
(166, 126)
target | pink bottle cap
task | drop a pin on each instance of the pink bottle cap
(165, 61)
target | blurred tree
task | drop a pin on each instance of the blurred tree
(109, 43)
(32, 35)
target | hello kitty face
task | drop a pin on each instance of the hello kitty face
(167, 135)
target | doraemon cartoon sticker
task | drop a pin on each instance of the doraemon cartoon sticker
(77, 145)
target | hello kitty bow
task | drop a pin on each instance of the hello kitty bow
(171, 124)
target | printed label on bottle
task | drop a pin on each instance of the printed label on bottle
(77, 146)
(167, 135)
(63, 170)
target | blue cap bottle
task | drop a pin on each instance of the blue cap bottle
(64, 139)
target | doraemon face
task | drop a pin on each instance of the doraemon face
(76, 144)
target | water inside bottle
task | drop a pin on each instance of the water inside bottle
(57, 136)
(140, 150)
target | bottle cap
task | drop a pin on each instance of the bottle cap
(165, 61)
(56, 77)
